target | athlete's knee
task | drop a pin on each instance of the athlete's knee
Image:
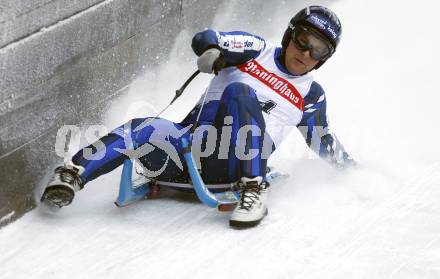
(243, 100)
(236, 89)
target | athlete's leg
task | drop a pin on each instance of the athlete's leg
(249, 150)
(157, 145)
(239, 114)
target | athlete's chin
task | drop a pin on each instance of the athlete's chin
(296, 69)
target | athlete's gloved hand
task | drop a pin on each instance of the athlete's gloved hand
(211, 60)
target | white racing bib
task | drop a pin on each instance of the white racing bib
(283, 93)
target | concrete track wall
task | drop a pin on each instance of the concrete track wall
(57, 58)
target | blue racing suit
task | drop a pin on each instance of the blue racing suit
(237, 106)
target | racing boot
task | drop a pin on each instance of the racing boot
(252, 207)
(65, 182)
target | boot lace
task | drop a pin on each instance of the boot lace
(250, 193)
(68, 176)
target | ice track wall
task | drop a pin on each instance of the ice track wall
(62, 62)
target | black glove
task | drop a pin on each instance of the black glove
(212, 60)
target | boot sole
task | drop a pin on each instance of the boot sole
(57, 192)
(246, 224)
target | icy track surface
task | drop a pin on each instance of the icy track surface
(378, 221)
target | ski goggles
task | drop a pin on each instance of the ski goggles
(304, 40)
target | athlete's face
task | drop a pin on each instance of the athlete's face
(298, 62)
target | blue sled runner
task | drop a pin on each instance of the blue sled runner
(133, 190)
